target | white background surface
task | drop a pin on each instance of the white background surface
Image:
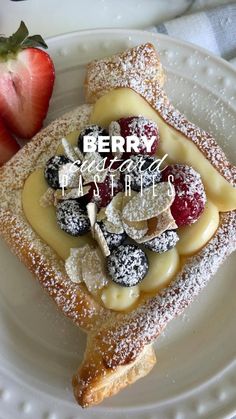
(51, 17)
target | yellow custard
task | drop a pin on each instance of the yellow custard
(195, 236)
(43, 219)
(119, 298)
(162, 267)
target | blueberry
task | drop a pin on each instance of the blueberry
(145, 178)
(95, 131)
(72, 217)
(51, 171)
(113, 239)
(127, 265)
(164, 242)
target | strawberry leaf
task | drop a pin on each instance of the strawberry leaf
(34, 42)
(3, 46)
(20, 40)
(19, 36)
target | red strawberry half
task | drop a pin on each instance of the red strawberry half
(8, 145)
(26, 82)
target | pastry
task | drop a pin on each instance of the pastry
(123, 301)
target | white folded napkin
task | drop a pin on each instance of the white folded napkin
(213, 28)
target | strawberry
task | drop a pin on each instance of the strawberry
(8, 145)
(26, 82)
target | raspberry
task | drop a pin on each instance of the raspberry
(104, 190)
(190, 195)
(138, 125)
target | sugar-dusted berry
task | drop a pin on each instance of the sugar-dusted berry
(190, 196)
(164, 242)
(72, 217)
(127, 265)
(51, 170)
(140, 126)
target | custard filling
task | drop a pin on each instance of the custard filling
(221, 196)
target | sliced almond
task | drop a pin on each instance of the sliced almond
(130, 230)
(114, 128)
(173, 225)
(69, 150)
(99, 237)
(86, 264)
(164, 221)
(79, 153)
(101, 215)
(111, 215)
(112, 228)
(92, 215)
(135, 229)
(73, 264)
(114, 209)
(94, 271)
(127, 199)
(148, 205)
(152, 225)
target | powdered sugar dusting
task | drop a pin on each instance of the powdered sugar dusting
(140, 69)
(163, 242)
(149, 203)
(124, 341)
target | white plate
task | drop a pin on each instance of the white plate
(195, 375)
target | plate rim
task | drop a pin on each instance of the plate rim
(156, 35)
